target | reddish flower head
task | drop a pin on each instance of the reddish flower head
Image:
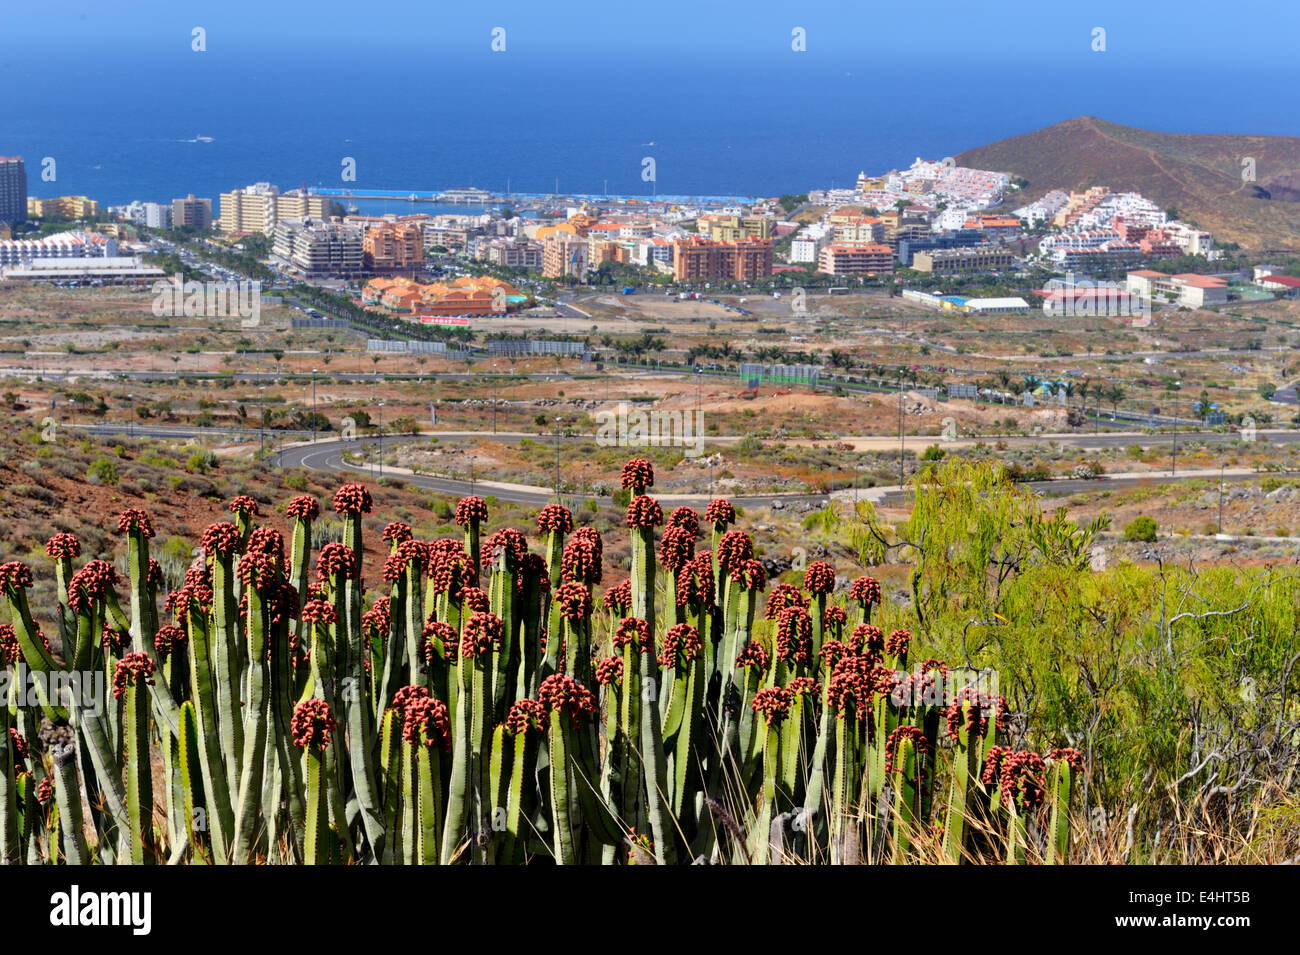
(644, 512)
(835, 619)
(634, 631)
(734, 547)
(819, 578)
(132, 519)
(865, 590)
(395, 532)
(508, 541)
(132, 668)
(676, 548)
(563, 694)
(439, 633)
(320, 612)
(695, 583)
(753, 655)
(906, 731)
(426, 722)
(783, 595)
(774, 703)
(574, 600)
(898, 643)
(352, 500)
(14, 574)
(794, 636)
(312, 724)
(682, 644)
(638, 474)
(1071, 756)
(609, 671)
(89, 586)
(1021, 779)
(167, 640)
(304, 507)
(9, 646)
(484, 634)
(554, 517)
(685, 518)
(720, 513)
(335, 560)
(221, 539)
(263, 564)
(63, 546)
(244, 505)
(581, 561)
(471, 510)
(526, 716)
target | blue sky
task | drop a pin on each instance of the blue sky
(665, 30)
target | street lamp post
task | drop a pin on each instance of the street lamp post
(1173, 457)
(313, 406)
(381, 439)
(558, 422)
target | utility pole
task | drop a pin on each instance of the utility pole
(1173, 458)
(381, 439)
(313, 406)
(558, 421)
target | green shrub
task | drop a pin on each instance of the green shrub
(1141, 528)
(103, 471)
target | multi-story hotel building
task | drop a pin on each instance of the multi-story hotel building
(13, 190)
(855, 258)
(192, 212)
(257, 208)
(393, 247)
(319, 248)
(699, 259)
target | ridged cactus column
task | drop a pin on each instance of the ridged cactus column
(133, 674)
(312, 726)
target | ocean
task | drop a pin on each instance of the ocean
(121, 128)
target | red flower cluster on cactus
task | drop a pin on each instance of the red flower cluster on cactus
(638, 474)
(396, 564)
(155, 574)
(221, 539)
(508, 541)
(682, 644)
(753, 655)
(21, 749)
(554, 517)
(850, 688)
(898, 643)
(1071, 756)
(484, 633)
(536, 573)
(1021, 779)
(574, 600)
(676, 548)
(304, 507)
(976, 721)
(378, 620)
(405, 696)
(634, 631)
(783, 595)
(581, 561)
(63, 546)
(9, 646)
(906, 731)
(262, 564)
(869, 639)
(750, 574)
(773, 703)
(168, 639)
(475, 599)
(44, 791)
(720, 513)
(563, 694)
(644, 513)
(449, 567)
(14, 574)
(443, 632)
(803, 686)
(865, 590)
(609, 671)
(831, 652)
(243, 504)
(685, 518)
(132, 668)
(695, 582)
(395, 532)
(993, 764)
(318, 611)
(312, 724)
(353, 500)
(835, 619)
(526, 716)
(133, 518)
(179, 602)
(426, 722)
(618, 599)
(335, 560)
(89, 586)
(198, 573)
(734, 548)
(471, 510)
(794, 636)
(819, 578)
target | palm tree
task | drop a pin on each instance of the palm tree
(1115, 394)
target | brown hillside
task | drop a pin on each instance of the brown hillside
(1199, 175)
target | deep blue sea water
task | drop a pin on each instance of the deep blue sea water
(121, 127)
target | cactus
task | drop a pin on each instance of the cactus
(468, 723)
